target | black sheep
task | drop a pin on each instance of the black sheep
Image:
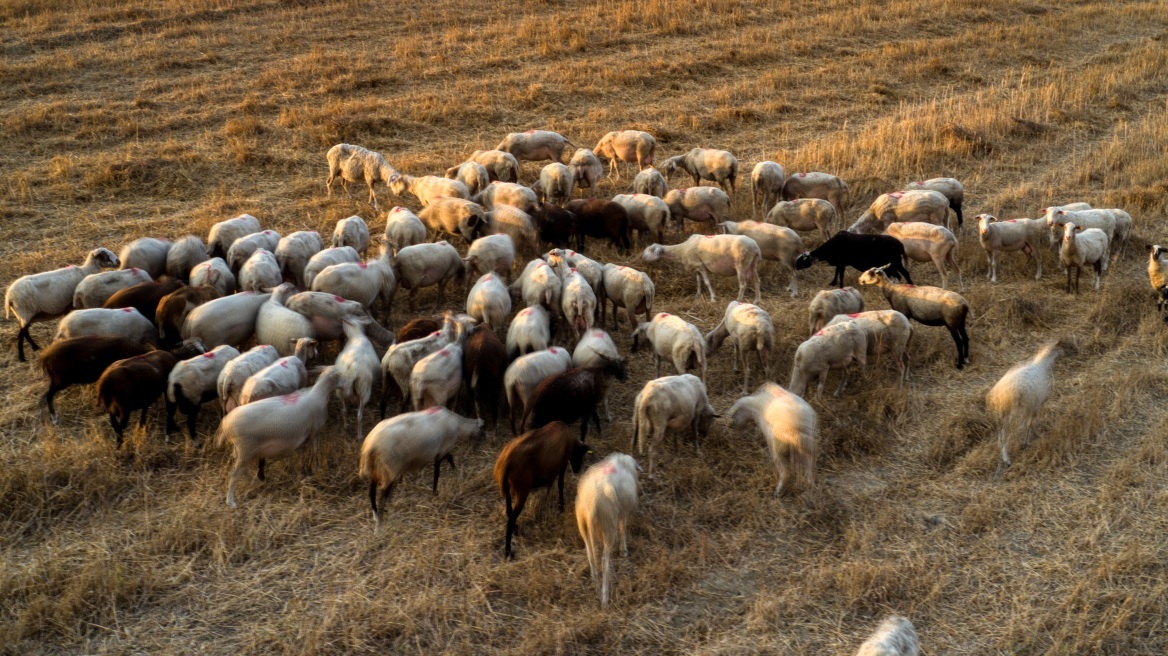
(861, 252)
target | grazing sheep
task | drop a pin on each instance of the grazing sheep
(606, 498)
(930, 306)
(601, 219)
(508, 193)
(718, 166)
(192, 383)
(352, 231)
(490, 254)
(236, 373)
(143, 297)
(557, 226)
(674, 338)
(484, 362)
(539, 285)
(573, 395)
(627, 146)
(81, 361)
(147, 254)
(861, 252)
(437, 378)
(243, 248)
(904, 206)
(1123, 228)
(126, 322)
(626, 288)
(95, 289)
(326, 258)
(224, 233)
(592, 270)
(1081, 247)
(403, 228)
(489, 303)
(1016, 399)
(214, 273)
(526, 373)
(353, 164)
(415, 329)
(818, 185)
(471, 174)
(888, 331)
(535, 460)
(294, 252)
(586, 170)
(830, 302)
(666, 404)
(136, 383)
(363, 282)
(577, 300)
(284, 376)
(1008, 236)
(804, 215)
(925, 242)
(535, 145)
(424, 265)
(749, 328)
(260, 273)
(701, 204)
(399, 360)
(950, 188)
(172, 310)
(1056, 219)
(427, 187)
(274, 427)
(227, 320)
(279, 326)
(408, 443)
(776, 243)
(766, 178)
(184, 255)
(516, 224)
(789, 427)
(1158, 276)
(327, 312)
(456, 217)
(833, 347)
(647, 214)
(593, 347)
(721, 255)
(530, 331)
(501, 166)
(650, 181)
(894, 637)
(48, 295)
(555, 184)
(359, 366)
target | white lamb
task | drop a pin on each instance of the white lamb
(227, 320)
(1080, 248)
(363, 282)
(530, 331)
(95, 289)
(490, 254)
(279, 326)
(399, 360)
(437, 378)
(888, 331)
(508, 193)
(674, 338)
(586, 170)
(647, 214)
(905, 206)
(423, 265)
(260, 273)
(539, 285)
(833, 347)
(192, 383)
(352, 231)
(472, 174)
(626, 288)
(516, 224)
(403, 228)
(283, 376)
(830, 302)
(577, 300)
(243, 248)
(672, 403)
(184, 255)
(718, 166)
(650, 181)
(925, 242)
(606, 499)
(750, 329)
(1158, 277)
(238, 370)
(593, 349)
(789, 427)
(456, 217)
(126, 322)
(555, 184)
(1017, 398)
(224, 233)
(326, 258)
(501, 166)
(353, 164)
(766, 178)
(804, 215)
(294, 251)
(215, 273)
(359, 366)
(1008, 236)
(147, 254)
(489, 302)
(527, 372)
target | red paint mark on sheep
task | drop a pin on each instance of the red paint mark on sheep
(209, 354)
(284, 363)
(854, 315)
(432, 411)
(819, 333)
(339, 299)
(290, 399)
(127, 309)
(608, 470)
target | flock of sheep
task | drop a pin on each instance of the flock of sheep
(171, 319)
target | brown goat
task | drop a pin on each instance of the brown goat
(82, 361)
(143, 297)
(416, 329)
(534, 460)
(557, 227)
(173, 309)
(601, 219)
(573, 395)
(136, 383)
(484, 361)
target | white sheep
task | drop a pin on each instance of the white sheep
(650, 181)
(804, 215)
(1017, 398)
(489, 302)
(359, 366)
(427, 187)
(260, 273)
(594, 347)
(192, 383)
(326, 258)
(472, 174)
(718, 166)
(284, 376)
(633, 146)
(925, 242)
(327, 312)
(530, 331)
(224, 233)
(500, 165)
(1082, 247)
(766, 178)
(48, 295)
(606, 499)
(586, 170)
(527, 372)
(646, 214)
(535, 145)
(437, 378)
(750, 329)
(905, 206)
(931, 306)
(627, 288)
(424, 265)
(950, 188)
(1056, 219)
(363, 282)
(243, 248)
(775, 243)
(184, 255)
(508, 193)
(279, 326)
(674, 338)
(215, 273)
(456, 217)
(672, 403)
(95, 289)
(274, 427)
(1123, 228)
(353, 163)
(820, 185)
(721, 255)
(701, 204)
(888, 331)
(236, 372)
(894, 637)
(492, 253)
(403, 228)
(399, 359)
(555, 184)
(1008, 236)
(592, 270)
(352, 231)
(148, 254)
(126, 322)
(577, 300)
(1158, 277)
(539, 285)
(227, 320)
(294, 252)
(516, 224)
(789, 427)
(830, 302)
(833, 347)
(410, 442)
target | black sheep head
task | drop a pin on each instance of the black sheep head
(804, 261)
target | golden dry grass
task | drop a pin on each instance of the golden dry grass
(148, 118)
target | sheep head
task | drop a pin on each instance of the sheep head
(873, 276)
(105, 258)
(804, 261)
(653, 253)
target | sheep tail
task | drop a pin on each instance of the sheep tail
(649, 300)
(221, 434)
(370, 468)
(9, 305)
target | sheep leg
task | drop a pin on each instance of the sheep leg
(260, 470)
(596, 418)
(706, 279)
(607, 564)
(822, 382)
(1098, 273)
(1029, 432)
(437, 469)
(584, 428)
(1002, 443)
(192, 419)
(119, 425)
(236, 474)
(171, 426)
(607, 412)
(698, 277)
(22, 337)
(658, 365)
(842, 383)
(49, 395)
(373, 503)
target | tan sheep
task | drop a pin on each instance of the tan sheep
(804, 215)
(925, 242)
(818, 185)
(721, 255)
(718, 166)
(766, 178)
(627, 146)
(650, 181)
(500, 166)
(931, 306)
(888, 331)
(1082, 247)
(905, 206)
(834, 347)
(1008, 236)
(1016, 399)
(830, 302)
(427, 187)
(776, 243)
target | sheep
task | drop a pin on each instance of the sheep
(766, 178)
(586, 170)
(326, 258)
(48, 295)
(172, 310)
(804, 215)
(415, 329)
(647, 214)
(184, 255)
(555, 184)
(830, 302)
(353, 163)
(834, 347)
(818, 185)
(81, 361)
(489, 302)
(721, 255)
(592, 270)
(403, 228)
(674, 338)
(1158, 277)
(227, 320)
(279, 326)
(789, 427)
(484, 362)
(930, 306)
(905, 206)
(501, 166)
(627, 146)
(136, 383)
(508, 193)
(126, 322)
(143, 297)
(516, 224)
(950, 188)
(1007, 236)
(925, 242)
(538, 285)
(294, 252)
(526, 372)
(530, 331)
(606, 498)
(557, 226)
(650, 181)
(472, 174)
(274, 427)
(213, 273)
(359, 367)
(147, 254)
(666, 404)
(1081, 247)
(192, 383)
(456, 217)
(363, 282)
(1017, 398)
(224, 233)
(718, 166)
(410, 442)
(1123, 227)
(626, 288)
(1099, 219)
(894, 637)
(601, 219)
(328, 311)
(236, 373)
(888, 331)
(535, 145)
(352, 231)
(573, 395)
(703, 204)
(260, 273)
(243, 248)
(749, 328)
(423, 265)
(577, 299)
(594, 346)
(95, 289)
(283, 376)
(400, 359)
(861, 252)
(535, 460)
(437, 378)
(776, 243)
(427, 187)
(490, 254)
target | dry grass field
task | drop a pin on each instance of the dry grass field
(119, 120)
